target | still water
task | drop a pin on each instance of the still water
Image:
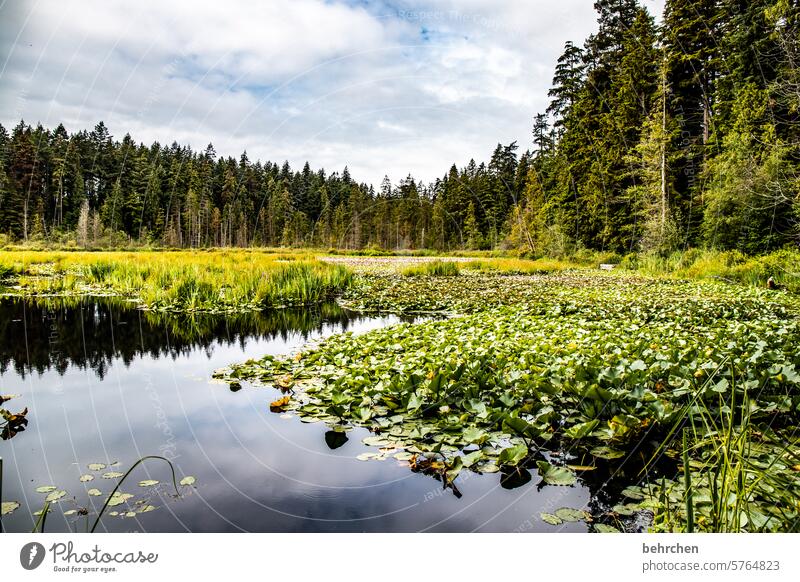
(104, 383)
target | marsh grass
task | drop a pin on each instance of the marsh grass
(783, 266)
(433, 269)
(735, 476)
(182, 281)
(521, 266)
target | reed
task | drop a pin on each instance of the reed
(221, 281)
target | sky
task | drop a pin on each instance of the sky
(385, 87)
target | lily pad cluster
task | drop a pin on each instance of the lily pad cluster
(598, 369)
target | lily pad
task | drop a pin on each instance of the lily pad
(94, 492)
(112, 475)
(607, 453)
(55, 496)
(148, 483)
(119, 498)
(96, 466)
(553, 475)
(188, 480)
(571, 515)
(86, 478)
(550, 518)
(45, 489)
(8, 507)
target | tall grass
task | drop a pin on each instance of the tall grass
(735, 475)
(183, 281)
(433, 269)
(783, 266)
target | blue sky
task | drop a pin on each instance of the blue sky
(383, 87)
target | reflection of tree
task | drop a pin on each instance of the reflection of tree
(91, 332)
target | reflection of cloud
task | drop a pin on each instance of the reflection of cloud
(294, 79)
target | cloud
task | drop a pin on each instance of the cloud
(383, 87)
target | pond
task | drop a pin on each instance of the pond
(105, 382)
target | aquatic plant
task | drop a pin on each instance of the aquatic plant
(222, 281)
(603, 370)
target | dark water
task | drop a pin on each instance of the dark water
(104, 383)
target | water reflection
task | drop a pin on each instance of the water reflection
(105, 382)
(60, 332)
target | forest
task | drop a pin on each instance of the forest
(661, 135)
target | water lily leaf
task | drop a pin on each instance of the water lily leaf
(553, 475)
(94, 492)
(607, 453)
(147, 509)
(475, 435)
(366, 456)
(404, 456)
(45, 489)
(71, 512)
(112, 475)
(571, 515)
(148, 483)
(119, 498)
(579, 431)
(96, 466)
(550, 518)
(512, 456)
(130, 514)
(376, 441)
(8, 507)
(471, 458)
(280, 404)
(603, 528)
(188, 480)
(85, 478)
(55, 496)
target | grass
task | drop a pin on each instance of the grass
(181, 280)
(433, 269)
(783, 266)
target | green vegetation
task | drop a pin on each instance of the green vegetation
(570, 373)
(223, 281)
(433, 269)
(123, 503)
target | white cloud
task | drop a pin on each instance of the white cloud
(407, 86)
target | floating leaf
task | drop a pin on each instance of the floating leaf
(71, 512)
(603, 528)
(188, 480)
(55, 496)
(607, 453)
(45, 489)
(94, 492)
(85, 478)
(119, 498)
(148, 483)
(112, 475)
(550, 518)
(512, 456)
(8, 507)
(571, 515)
(96, 466)
(553, 475)
(280, 404)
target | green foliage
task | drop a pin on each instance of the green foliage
(599, 367)
(433, 269)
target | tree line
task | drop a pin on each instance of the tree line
(656, 138)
